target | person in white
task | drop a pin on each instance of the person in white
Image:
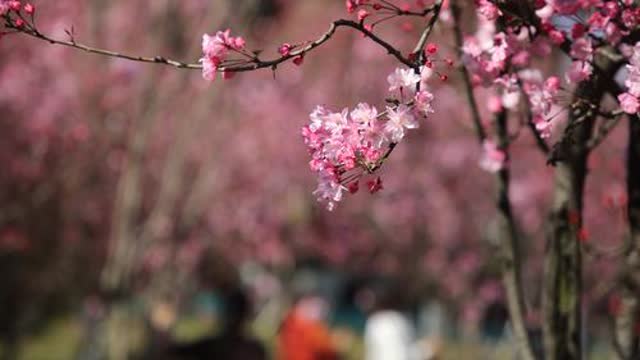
(389, 335)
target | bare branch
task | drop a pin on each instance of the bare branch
(475, 113)
(542, 145)
(507, 232)
(254, 63)
(427, 30)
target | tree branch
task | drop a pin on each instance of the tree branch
(427, 30)
(507, 233)
(475, 113)
(542, 145)
(509, 244)
(252, 64)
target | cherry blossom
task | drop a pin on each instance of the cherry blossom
(400, 120)
(629, 103)
(542, 97)
(348, 146)
(285, 49)
(215, 49)
(488, 9)
(29, 9)
(543, 126)
(565, 7)
(582, 49)
(403, 79)
(510, 91)
(493, 159)
(579, 71)
(344, 146)
(423, 102)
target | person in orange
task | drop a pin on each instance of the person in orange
(303, 335)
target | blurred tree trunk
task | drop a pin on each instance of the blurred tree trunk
(563, 261)
(116, 274)
(507, 235)
(562, 294)
(628, 319)
(163, 230)
(509, 252)
(131, 234)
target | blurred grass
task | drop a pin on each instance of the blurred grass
(58, 341)
(192, 328)
(61, 338)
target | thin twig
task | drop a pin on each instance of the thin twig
(250, 65)
(542, 145)
(428, 29)
(508, 234)
(468, 86)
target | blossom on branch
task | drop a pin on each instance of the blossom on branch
(215, 50)
(403, 79)
(345, 146)
(423, 103)
(493, 159)
(629, 101)
(400, 119)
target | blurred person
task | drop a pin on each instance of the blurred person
(93, 312)
(232, 343)
(349, 313)
(349, 317)
(432, 325)
(494, 321)
(389, 334)
(304, 335)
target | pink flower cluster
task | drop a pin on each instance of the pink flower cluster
(403, 79)
(7, 5)
(508, 93)
(607, 22)
(352, 5)
(215, 49)
(14, 5)
(487, 53)
(611, 18)
(629, 101)
(488, 9)
(582, 54)
(493, 159)
(347, 145)
(542, 96)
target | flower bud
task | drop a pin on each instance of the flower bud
(29, 9)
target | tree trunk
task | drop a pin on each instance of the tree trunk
(562, 294)
(506, 228)
(509, 249)
(627, 320)
(563, 265)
